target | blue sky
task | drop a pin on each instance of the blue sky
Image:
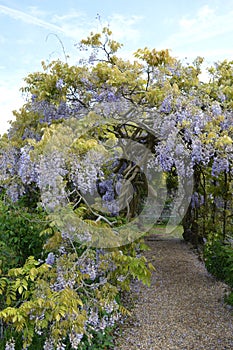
(29, 32)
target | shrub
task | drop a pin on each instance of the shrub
(218, 257)
(19, 234)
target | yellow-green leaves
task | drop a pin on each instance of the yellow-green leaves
(102, 41)
(92, 40)
(154, 58)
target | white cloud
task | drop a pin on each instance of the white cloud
(10, 99)
(208, 54)
(58, 24)
(124, 28)
(27, 18)
(72, 15)
(205, 12)
(36, 12)
(76, 24)
(206, 24)
(204, 15)
(73, 24)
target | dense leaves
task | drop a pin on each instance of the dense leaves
(20, 234)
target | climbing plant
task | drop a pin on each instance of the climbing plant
(98, 149)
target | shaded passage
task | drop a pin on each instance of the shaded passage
(184, 307)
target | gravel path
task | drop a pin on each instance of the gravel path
(184, 307)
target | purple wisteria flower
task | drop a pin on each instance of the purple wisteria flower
(166, 106)
(50, 259)
(60, 84)
(197, 200)
(216, 109)
(220, 164)
(27, 170)
(197, 152)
